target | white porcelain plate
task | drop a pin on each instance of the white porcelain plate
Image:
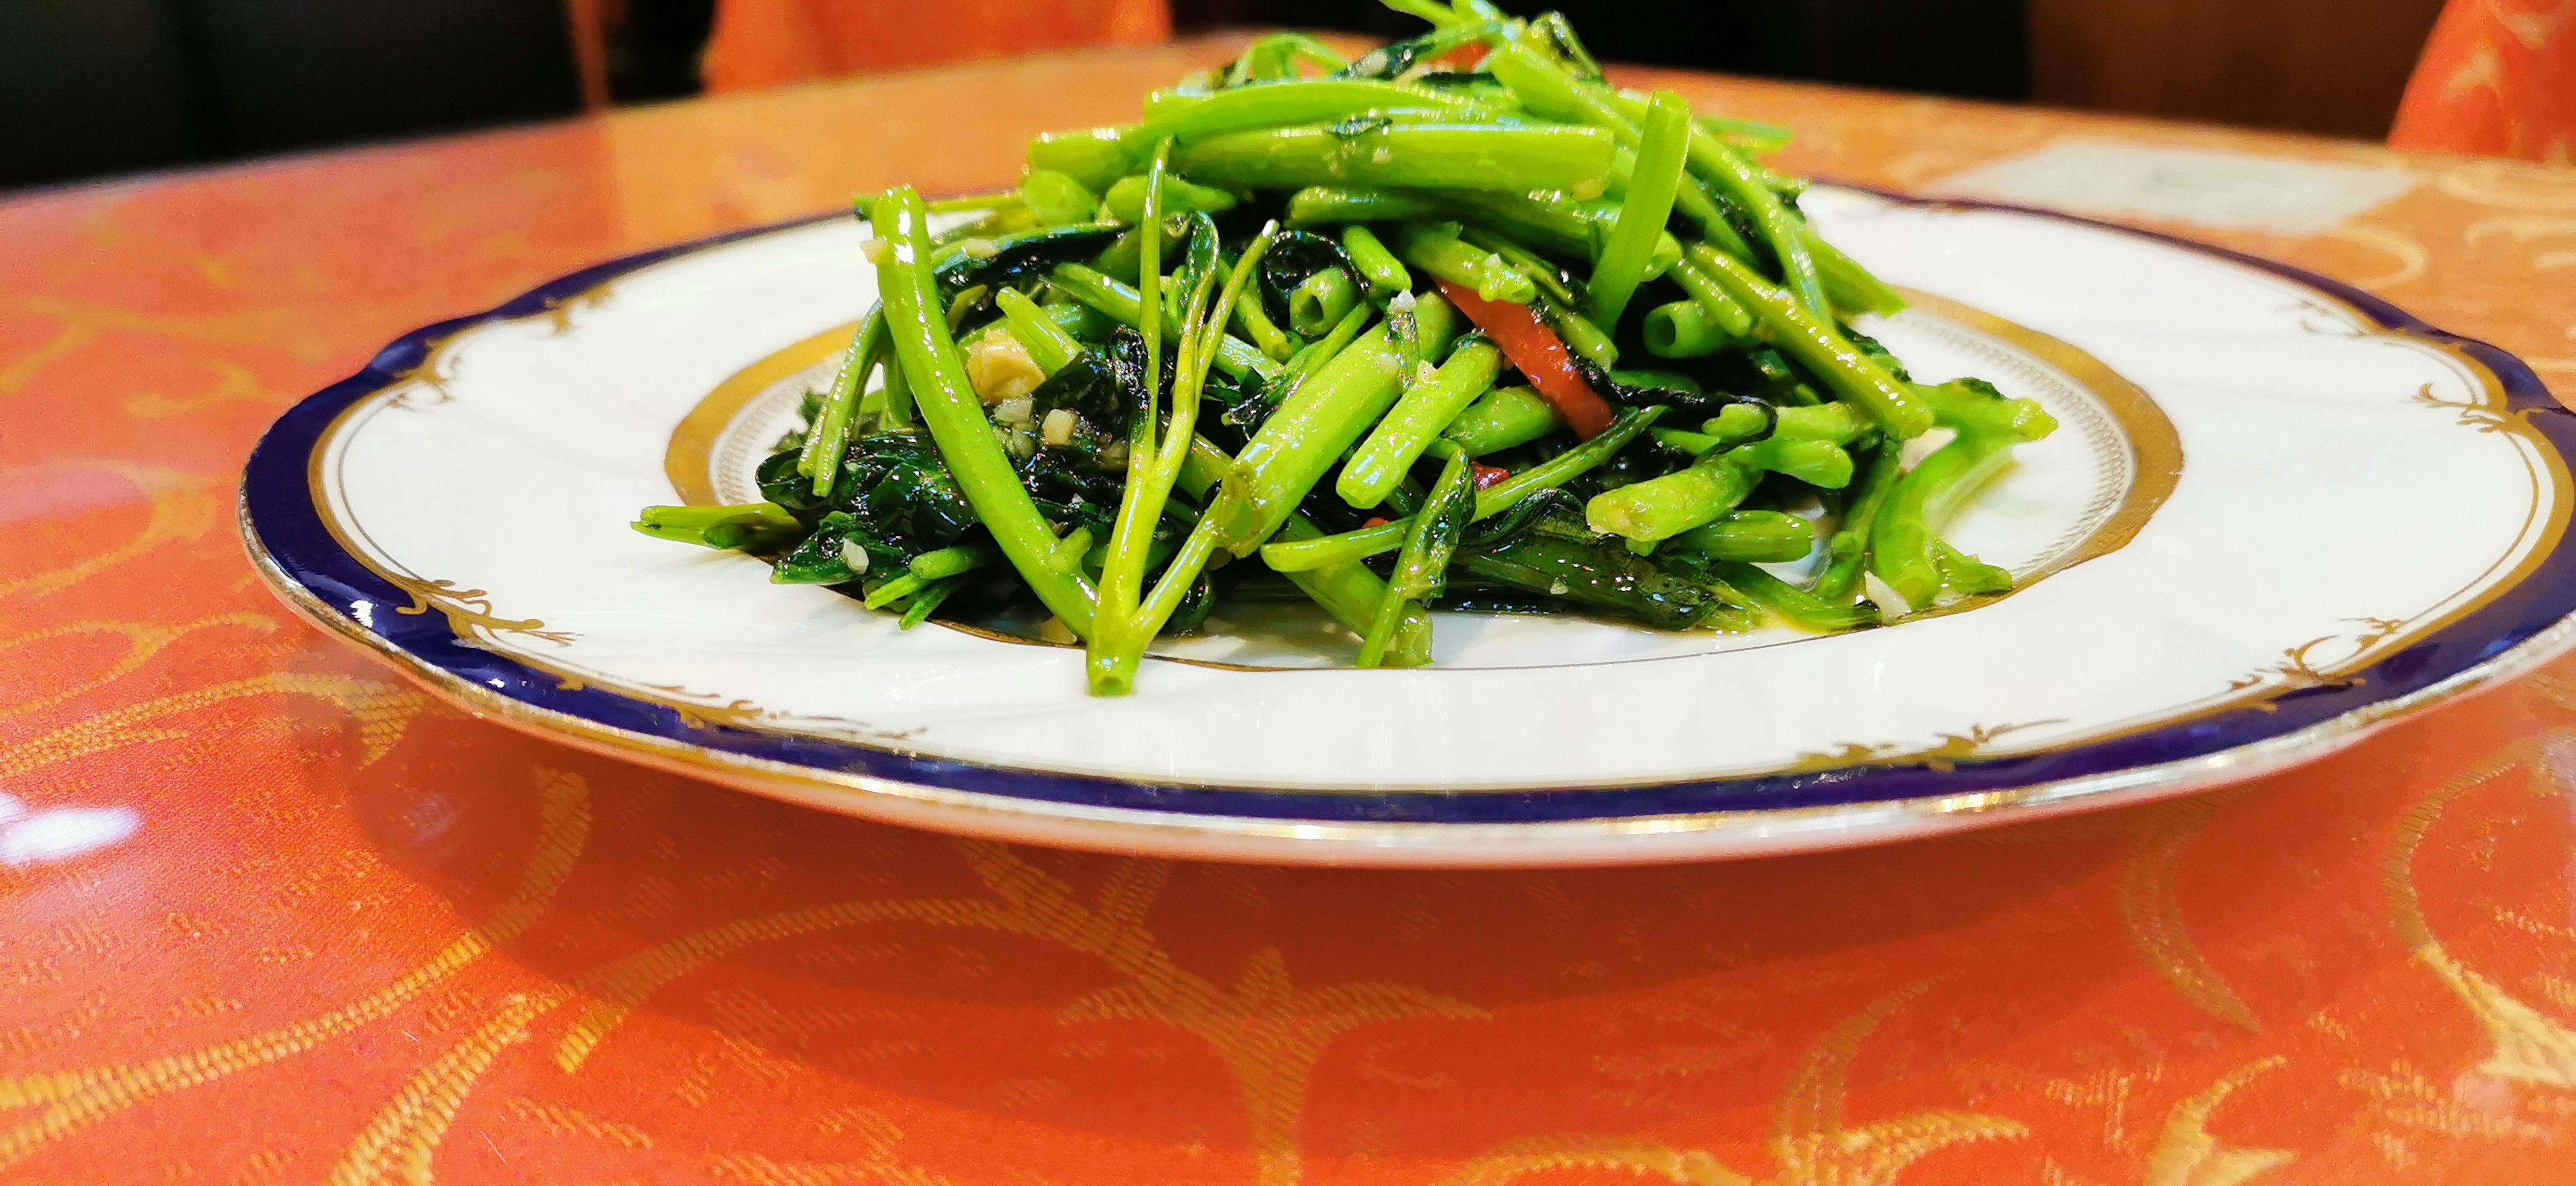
(2277, 513)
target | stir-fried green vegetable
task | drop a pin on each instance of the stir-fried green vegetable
(1457, 323)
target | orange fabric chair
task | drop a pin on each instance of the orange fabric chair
(764, 43)
(2498, 78)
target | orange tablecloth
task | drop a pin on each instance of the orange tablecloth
(273, 916)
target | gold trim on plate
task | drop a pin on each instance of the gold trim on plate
(690, 459)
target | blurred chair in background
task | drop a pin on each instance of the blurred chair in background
(764, 43)
(2497, 79)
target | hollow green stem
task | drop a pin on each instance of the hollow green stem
(754, 526)
(1758, 537)
(1973, 407)
(1385, 273)
(1837, 422)
(1681, 329)
(1549, 91)
(1723, 312)
(1467, 156)
(1795, 605)
(1801, 335)
(1125, 305)
(1303, 365)
(1437, 249)
(1318, 204)
(898, 409)
(1118, 648)
(927, 602)
(1422, 566)
(1901, 542)
(1126, 198)
(1505, 417)
(1352, 595)
(997, 200)
(1197, 115)
(1056, 198)
(1317, 421)
(1140, 506)
(1748, 135)
(1660, 508)
(1966, 573)
(1319, 302)
(1417, 418)
(1847, 550)
(1718, 163)
(931, 567)
(1663, 149)
(1256, 324)
(1352, 546)
(828, 438)
(955, 416)
(1048, 344)
(1583, 337)
(1349, 592)
(1093, 157)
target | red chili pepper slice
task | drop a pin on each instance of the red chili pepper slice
(1540, 355)
(1486, 475)
(1463, 58)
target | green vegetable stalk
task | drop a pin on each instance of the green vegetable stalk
(949, 407)
(1417, 418)
(1421, 569)
(1660, 508)
(1662, 152)
(1320, 419)
(1904, 546)
(1505, 418)
(1350, 546)
(1155, 466)
(1465, 156)
(1802, 335)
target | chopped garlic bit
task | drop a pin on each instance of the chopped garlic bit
(1057, 429)
(1114, 458)
(854, 556)
(1423, 371)
(1000, 368)
(1016, 411)
(874, 249)
(1020, 443)
(980, 248)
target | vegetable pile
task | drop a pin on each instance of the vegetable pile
(1367, 320)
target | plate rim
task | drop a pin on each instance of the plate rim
(1549, 825)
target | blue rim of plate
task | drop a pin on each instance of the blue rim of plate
(296, 551)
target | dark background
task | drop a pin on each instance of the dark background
(92, 88)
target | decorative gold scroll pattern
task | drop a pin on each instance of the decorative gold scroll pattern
(1809, 1141)
(2298, 670)
(1943, 754)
